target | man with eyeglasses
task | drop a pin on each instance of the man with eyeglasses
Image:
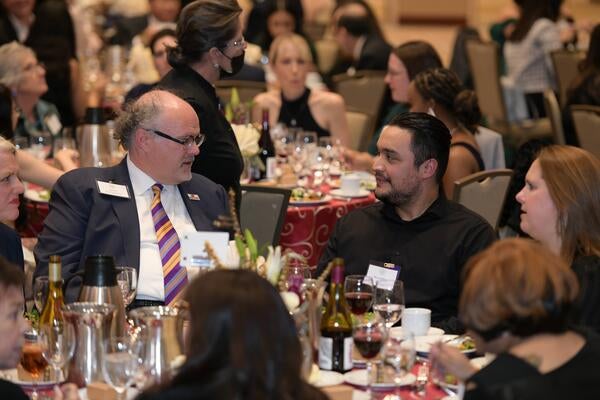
(136, 211)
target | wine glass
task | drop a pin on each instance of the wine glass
(40, 292)
(400, 353)
(58, 345)
(32, 359)
(389, 301)
(296, 271)
(41, 145)
(127, 281)
(369, 337)
(120, 363)
(359, 290)
(63, 142)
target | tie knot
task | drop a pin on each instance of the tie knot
(157, 188)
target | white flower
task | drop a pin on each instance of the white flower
(274, 264)
(247, 137)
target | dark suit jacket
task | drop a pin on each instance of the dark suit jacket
(10, 245)
(220, 159)
(83, 222)
(374, 54)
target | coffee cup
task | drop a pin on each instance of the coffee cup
(350, 184)
(416, 320)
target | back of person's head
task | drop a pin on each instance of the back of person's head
(6, 112)
(358, 9)
(356, 25)
(242, 340)
(417, 56)
(11, 276)
(12, 60)
(202, 25)
(296, 40)
(531, 11)
(443, 86)
(430, 139)
(572, 176)
(517, 286)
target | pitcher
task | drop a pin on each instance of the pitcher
(162, 337)
(94, 143)
(92, 323)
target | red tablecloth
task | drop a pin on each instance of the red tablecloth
(306, 229)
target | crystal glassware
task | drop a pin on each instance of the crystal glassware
(120, 363)
(389, 301)
(369, 337)
(127, 281)
(40, 292)
(58, 345)
(359, 291)
(32, 359)
(399, 353)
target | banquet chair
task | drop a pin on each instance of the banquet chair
(361, 127)
(566, 68)
(484, 193)
(555, 116)
(246, 89)
(586, 120)
(263, 211)
(363, 91)
(484, 63)
(327, 54)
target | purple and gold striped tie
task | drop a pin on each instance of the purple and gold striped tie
(175, 276)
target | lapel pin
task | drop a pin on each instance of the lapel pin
(193, 196)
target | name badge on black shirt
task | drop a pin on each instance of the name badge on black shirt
(383, 273)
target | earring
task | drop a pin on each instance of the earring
(216, 65)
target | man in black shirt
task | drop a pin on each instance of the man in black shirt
(414, 229)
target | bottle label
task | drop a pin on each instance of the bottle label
(325, 353)
(327, 356)
(348, 344)
(271, 167)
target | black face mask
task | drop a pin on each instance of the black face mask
(237, 63)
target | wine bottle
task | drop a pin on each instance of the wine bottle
(267, 150)
(335, 344)
(52, 313)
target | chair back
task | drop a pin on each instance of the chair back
(327, 54)
(566, 68)
(361, 129)
(484, 64)
(246, 89)
(554, 114)
(363, 91)
(587, 127)
(484, 193)
(263, 211)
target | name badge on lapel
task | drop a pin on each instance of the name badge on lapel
(193, 197)
(383, 273)
(113, 189)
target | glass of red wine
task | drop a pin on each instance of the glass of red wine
(369, 337)
(359, 291)
(32, 358)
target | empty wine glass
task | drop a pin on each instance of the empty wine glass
(120, 363)
(40, 292)
(32, 359)
(58, 345)
(389, 301)
(127, 281)
(369, 336)
(359, 291)
(399, 353)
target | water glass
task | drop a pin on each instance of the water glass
(58, 345)
(127, 281)
(40, 292)
(359, 291)
(63, 142)
(389, 301)
(400, 353)
(40, 145)
(121, 363)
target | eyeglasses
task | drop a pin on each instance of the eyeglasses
(236, 43)
(188, 141)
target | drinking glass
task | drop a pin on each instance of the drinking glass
(21, 142)
(120, 363)
(62, 142)
(58, 345)
(40, 145)
(32, 359)
(359, 291)
(127, 281)
(296, 271)
(399, 353)
(369, 337)
(389, 301)
(40, 292)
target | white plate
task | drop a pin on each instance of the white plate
(328, 378)
(325, 199)
(358, 377)
(34, 195)
(423, 343)
(131, 394)
(397, 331)
(340, 193)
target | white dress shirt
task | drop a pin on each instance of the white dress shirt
(150, 281)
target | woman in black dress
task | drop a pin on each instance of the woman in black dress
(209, 46)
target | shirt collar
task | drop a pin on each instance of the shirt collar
(360, 43)
(435, 211)
(21, 29)
(140, 181)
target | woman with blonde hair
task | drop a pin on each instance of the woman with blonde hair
(516, 303)
(10, 189)
(560, 207)
(295, 105)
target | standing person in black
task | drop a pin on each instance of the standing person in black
(210, 46)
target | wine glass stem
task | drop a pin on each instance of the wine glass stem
(369, 378)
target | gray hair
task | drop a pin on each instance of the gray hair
(136, 114)
(12, 57)
(6, 146)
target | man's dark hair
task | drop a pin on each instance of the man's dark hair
(10, 275)
(356, 25)
(429, 139)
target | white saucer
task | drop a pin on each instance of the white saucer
(328, 378)
(339, 193)
(358, 377)
(397, 331)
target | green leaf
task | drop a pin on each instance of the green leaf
(252, 244)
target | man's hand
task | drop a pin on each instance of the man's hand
(449, 360)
